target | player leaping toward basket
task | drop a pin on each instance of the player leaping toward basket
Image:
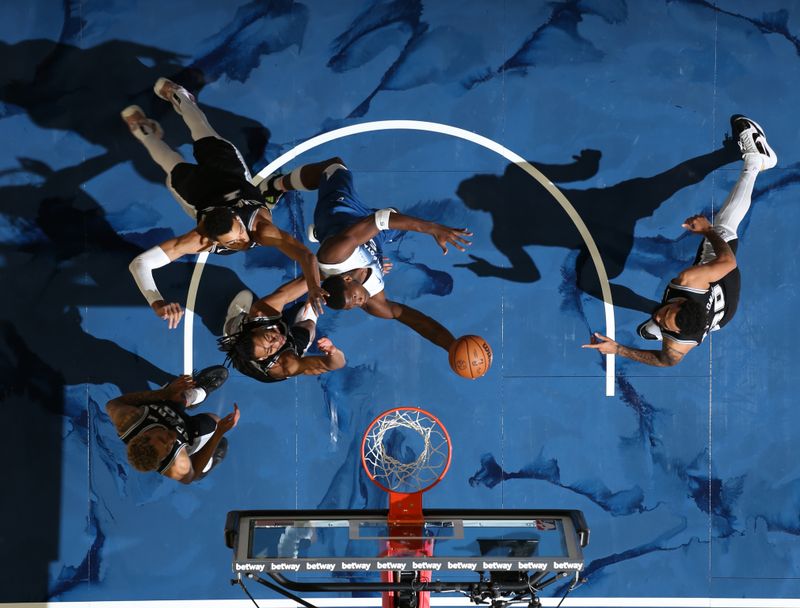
(232, 214)
(704, 297)
(352, 236)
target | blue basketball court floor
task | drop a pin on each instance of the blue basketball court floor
(688, 476)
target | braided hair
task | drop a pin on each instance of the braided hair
(239, 349)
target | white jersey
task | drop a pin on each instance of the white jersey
(364, 256)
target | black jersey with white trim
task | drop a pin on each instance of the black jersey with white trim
(712, 299)
(167, 415)
(297, 339)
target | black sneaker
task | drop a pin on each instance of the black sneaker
(271, 194)
(210, 378)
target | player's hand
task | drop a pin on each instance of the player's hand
(171, 312)
(230, 421)
(174, 391)
(316, 299)
(326, 346)
(444, 236)
(480, 266)
(698, 224)
(387, 265)
(604, 344)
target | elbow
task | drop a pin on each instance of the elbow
(135, 264)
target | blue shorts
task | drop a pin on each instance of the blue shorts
(339, 207)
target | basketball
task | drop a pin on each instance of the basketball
(470, 357)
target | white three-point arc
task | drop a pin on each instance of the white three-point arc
(433, 127)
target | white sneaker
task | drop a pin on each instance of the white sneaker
(141, 126)
(173, 93)
(238, 310)
(752, 140)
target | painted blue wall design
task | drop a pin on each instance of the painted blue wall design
(687, 476)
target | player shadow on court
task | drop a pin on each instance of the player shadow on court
(63, 87)
(61, 256)
(524, 214)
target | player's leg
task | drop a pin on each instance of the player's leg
(201, 428)
(206, 381)
(757, 156)
(185, 104)
(149, 132)
(303, 178)
(238, 312)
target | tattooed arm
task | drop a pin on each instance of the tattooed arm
(670, 354)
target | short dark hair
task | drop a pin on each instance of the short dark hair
(218, 221)
(142, 455)
(691, 317)
(336, 288)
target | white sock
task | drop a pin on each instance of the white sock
(194, 396)
(727, 221)
(165, 157)
(195, 119)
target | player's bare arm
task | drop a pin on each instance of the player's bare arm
(430, 329)
(701, 276)
(125, 409)
(186, 468)
(291, 365)
(670, 354)
(338, 248)
(267, 234)
(143, 265)
(275, 302)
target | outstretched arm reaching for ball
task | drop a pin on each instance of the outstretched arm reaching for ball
(430, 329)
(338, 248)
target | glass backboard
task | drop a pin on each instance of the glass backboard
(293, 542)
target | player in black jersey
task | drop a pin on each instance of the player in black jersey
(160, 435)
(704, 297)
(232, 214)
(269, 344)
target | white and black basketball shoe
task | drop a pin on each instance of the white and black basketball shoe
(238, 310)
(173, 93)
(210, 378)
(141, 126)
(752, 140)
(272, 195)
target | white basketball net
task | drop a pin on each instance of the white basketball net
(395, 474)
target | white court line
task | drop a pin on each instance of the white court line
(188, 318)
(442, 602)
(436, 127)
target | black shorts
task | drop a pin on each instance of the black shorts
(199, 425)
(219, 172)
